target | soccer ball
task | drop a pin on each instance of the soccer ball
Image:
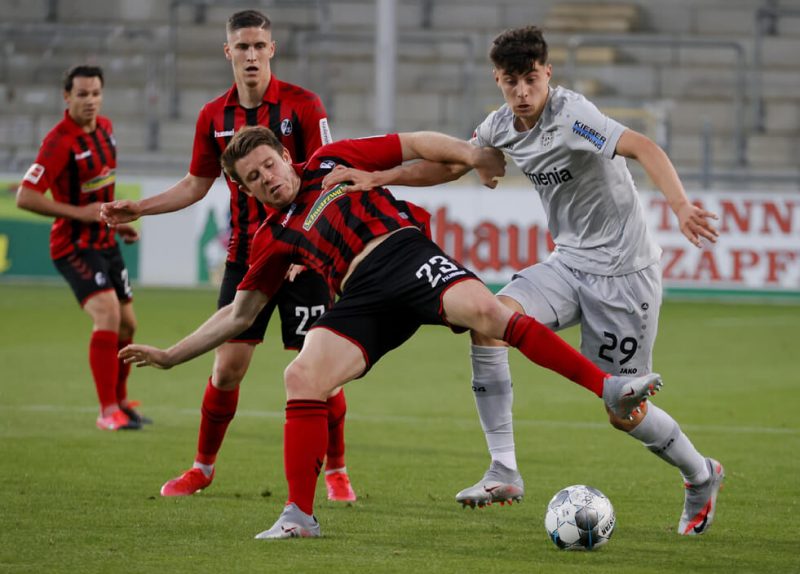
(579, 517)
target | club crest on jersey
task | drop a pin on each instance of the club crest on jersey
(547, 139)
(323, 201)
(286, 127)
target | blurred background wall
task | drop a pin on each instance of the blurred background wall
(715, 82)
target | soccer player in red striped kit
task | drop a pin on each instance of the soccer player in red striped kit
(77, 163)
(299, 118)
(391, 279)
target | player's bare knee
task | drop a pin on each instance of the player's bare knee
(298, 380)
(489, 317)
(227, 374)
(127, 328)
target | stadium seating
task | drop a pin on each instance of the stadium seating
(680, 94)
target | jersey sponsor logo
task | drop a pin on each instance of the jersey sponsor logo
(224, 134)
(594, 137)
(83, 155)
(286, 127)
(548, 178)
(34, 173)
(105, 178)
(325, 132)
(323, 201)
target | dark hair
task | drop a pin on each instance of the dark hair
(248, 19)
(246, 140)
(81, 72)
(518, 50)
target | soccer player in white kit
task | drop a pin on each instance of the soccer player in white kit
(604, 274)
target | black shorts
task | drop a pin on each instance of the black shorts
(90, 271)
(299, 303)
(394, 290)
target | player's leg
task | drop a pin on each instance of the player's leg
(300, 303)
(618, 332)
(118, 274)
(537, 291)
(221, 396)
(220, 400)
(86, 272)
(326, 362)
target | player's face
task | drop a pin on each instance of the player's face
(269, 176)
(84, 101)
(526, 94)
(250, 50)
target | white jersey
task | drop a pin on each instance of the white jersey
(592, 206)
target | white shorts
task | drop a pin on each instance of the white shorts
(618, 315)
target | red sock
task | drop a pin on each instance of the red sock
(122, 377)
(304, 438)
(216, 414)
(337, 408)
(546, 349)
(105, 366)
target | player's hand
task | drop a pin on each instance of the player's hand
(294, 271)
(121, 211)
(355, 179)
(145, 356)
(127, 233)
(695, 222)
(490, 165)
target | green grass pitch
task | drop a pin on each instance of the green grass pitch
(74, 499)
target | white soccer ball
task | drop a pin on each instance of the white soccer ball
(579, 517)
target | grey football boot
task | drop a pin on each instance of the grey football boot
(292, 523)
(700, 502)
(499, 484)
(624, 395)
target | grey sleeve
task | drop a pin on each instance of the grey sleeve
(588, 129)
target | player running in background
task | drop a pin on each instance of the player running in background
(298, 117)
(391, 279)
(77, 163)
(604, 274)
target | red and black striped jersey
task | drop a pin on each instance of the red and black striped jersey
(325, 230)
(297, 117)
(78, 168)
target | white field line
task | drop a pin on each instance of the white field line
(751, 322)
(410, 420)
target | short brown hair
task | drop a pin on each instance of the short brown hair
(248, 19)
(82, 71)
(517, 50)
(246, 140)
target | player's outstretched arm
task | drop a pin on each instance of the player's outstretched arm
(221, 326)
(489, 163)
(35, 202)
(695, 222)
(416, 174)
(187, 191)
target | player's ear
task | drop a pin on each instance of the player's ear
(227, 49)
